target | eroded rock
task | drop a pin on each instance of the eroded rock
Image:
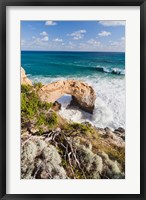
(24, 79)
(82, 94)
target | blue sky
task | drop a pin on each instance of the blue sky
(73, 35)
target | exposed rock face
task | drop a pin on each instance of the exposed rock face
(56, 106)
(24, 79)
(83, 95)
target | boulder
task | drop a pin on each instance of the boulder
(82, 94)
(56, 106)
(24, 79)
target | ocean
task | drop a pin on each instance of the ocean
(104, 71)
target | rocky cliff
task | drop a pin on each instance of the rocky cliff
(24, 79)
(53, 148)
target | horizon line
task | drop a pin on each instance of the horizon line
(76, 51)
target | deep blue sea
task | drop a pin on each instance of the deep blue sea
(104, 71)
(72, 63)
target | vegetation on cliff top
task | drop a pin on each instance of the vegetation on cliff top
(35, 111)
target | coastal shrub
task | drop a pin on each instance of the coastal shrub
(46, 120)
(111, 168)
(41, 120)
(78, 127)
(45, 105)
(41, 161)
(99, 144)
(23, 102)
(91, 163)
(114, 152)
(38, 85)
(26, 88)
(29, 104)
(52, 119)
(34, 110)
(117, 153)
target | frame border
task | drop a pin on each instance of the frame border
(3, 6)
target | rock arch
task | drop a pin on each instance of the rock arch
(82, 94)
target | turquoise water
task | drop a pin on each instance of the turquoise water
(104, 71)
(72, 63)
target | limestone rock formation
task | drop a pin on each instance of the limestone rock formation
(24, 79)
(83, 95)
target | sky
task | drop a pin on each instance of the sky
(96, 36)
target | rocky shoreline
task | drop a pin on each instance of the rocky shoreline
(53, 148)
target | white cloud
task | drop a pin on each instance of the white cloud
(38, 40)
(77, 35)
(50, 23)
(112, 23)
(57, 40)
(70, 43)
(45, 39)
(104, 33)
(36, 43)
(68, 46)
(118, 45)
(94, 42)
(44, 33)
(90, 45)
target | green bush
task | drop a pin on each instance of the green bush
(26, 88)
(38, 85)
(78, 127)
(32, 107)
(41, 120)
(45, 105)
(52, 119)
(48, 121)
(29, 103)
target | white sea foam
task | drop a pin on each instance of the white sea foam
(111, 70)
(109, 106)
